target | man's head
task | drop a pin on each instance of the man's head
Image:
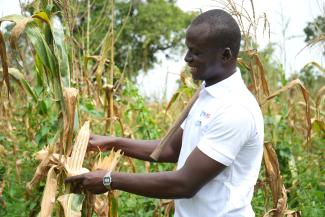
(213, 41)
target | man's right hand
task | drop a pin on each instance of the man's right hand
(98, 142)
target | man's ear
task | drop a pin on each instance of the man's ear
(227, 54)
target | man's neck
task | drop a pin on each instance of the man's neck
(226, 74)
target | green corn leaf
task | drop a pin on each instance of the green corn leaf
(18, 76)
(47, 59)
(42, 16)
(42, 49)
(61, 51)
(71, 204)
(55, 32)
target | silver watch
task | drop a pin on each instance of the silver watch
(107, 180)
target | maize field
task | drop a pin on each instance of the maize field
(59, 85)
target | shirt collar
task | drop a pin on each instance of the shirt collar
(232, 82)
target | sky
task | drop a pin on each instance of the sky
(162, 79)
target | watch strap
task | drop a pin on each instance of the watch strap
(107, 180)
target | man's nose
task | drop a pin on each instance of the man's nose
(188, 57)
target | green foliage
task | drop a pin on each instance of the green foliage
(312, 77)
(142, 29)
(315, 28)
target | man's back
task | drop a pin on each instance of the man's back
(226, 124)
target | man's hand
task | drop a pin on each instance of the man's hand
(92, 182)
(97, 142)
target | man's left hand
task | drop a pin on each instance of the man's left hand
(92, 182)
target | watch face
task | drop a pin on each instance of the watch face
(107, 180)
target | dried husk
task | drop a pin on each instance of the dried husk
(108, 162)
(101, 204)
(49, 193)
(70, 100)
(41, 170)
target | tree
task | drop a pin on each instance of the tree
(313, 74)
(142, 29)
(315, 31)
(315, 28)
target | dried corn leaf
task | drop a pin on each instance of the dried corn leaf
(274, 178)
(74, 164)
(315, 64)
(261, 73)
(71, 204)
(17, 30)
(4, 61)
(101, 205)
(272, 171)
(49, 193)
(41, 170)
(305, 94)
(319, 96)
(54, 158)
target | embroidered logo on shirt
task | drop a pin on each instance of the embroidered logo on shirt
(203, 115)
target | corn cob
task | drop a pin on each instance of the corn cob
(74, 164)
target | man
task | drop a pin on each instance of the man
(218, 147)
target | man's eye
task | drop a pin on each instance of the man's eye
(194, 52)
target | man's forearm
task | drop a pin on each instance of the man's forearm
(167, 185)
(139, 149)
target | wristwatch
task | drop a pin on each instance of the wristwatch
(107, 180)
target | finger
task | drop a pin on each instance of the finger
(91, 147)
(74, 179)
(76, 189)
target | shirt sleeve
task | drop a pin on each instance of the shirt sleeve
(226, 133)
(183, 124)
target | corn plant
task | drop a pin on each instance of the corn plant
(53, 69)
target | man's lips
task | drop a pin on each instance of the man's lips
(193, 69)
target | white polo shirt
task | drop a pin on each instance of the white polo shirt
(226, 124)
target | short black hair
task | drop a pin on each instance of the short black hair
(224, 29)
